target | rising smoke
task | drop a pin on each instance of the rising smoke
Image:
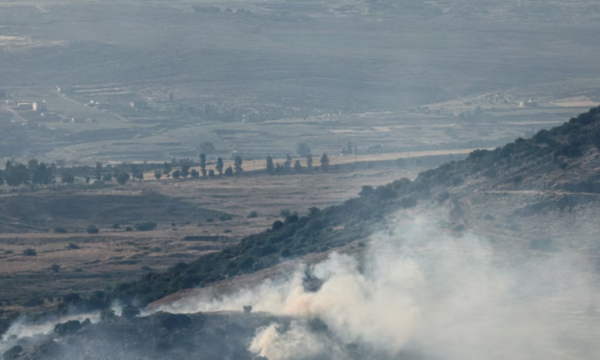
(420, 290)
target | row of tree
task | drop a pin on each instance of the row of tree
(34, 172)
(39, 173)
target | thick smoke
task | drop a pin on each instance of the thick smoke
(421, 289)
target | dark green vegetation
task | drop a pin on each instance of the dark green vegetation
(534, 163)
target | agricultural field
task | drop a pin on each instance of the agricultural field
(192, 217)
(151, 82)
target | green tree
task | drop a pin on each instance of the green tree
(325, 162)
(67, 178)
(309, 162)
(195, 174)
(237, 163)
(229, 171)
(15, 174)
(1, 177)
(219, 166)
(203, 164)
(185, 170)
(98, 171)
(270, 166)
(298, 167)
(287, 165)
(176, 174)
(211, 173)
(167, 168)
(122, 177)
(157, 174)
(130, 312)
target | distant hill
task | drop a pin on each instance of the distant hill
(564, 160)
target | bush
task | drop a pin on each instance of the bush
(29, 252)
(92, 229)
(145, 226)
(247, 309)
(130, 311)
(225, 217)
(34, 301)
(128, 228)
(107, 314)
(116, 226)
(67, 328)
(277, 225)
(252, 215)
(59, 230)
(55, 268)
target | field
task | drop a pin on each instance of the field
(151, 82)
(184, 208)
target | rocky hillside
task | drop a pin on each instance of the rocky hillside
(564, 159)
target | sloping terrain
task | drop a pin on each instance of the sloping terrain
(535, 200)
(562, 163)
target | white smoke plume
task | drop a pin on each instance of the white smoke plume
(421, 289)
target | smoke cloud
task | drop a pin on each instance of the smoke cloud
(419, 289)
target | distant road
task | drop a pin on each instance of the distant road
(261, 164)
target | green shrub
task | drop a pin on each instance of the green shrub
(92, 229)
(29, 252)
(59, 230)
(225, 217)
(107, 314)
(145, 226)
(130, 312)
(252, 215)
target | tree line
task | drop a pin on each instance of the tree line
(40, 173)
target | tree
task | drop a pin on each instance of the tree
(287, 165)
(237, 163)
(15, 174)
(107, 177)
(140, 176)
(203, 164)
(211, 173)
(270, 166)
(325, 162)
(176, 174)
(309, 162)
(1, 177)
(298, 167)
(55, 267)
(219, 166)
(229, 171)
(107, 314)
(130, 311)
(167, 168)
(157, 174)
(67, 178)
(40, 173)
(98, 171)
(195, 174)
(185, 170)
(122, 177)
(302, 149)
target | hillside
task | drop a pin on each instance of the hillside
(564, 160)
